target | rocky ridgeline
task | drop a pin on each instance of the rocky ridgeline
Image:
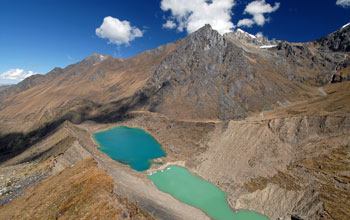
(256, 40)
(337, 41)
(203, 76)
(94, 59)
(38, 79)
(212, 76)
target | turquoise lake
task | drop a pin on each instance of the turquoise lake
(137, 148)
(192, 190)
(131, 146)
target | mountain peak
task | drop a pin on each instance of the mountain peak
(245, 37)
(94, 54)
(203, 38)
(94, 59)
(242, 32)
(337, 41)
(207, 26)
(206, 31)
(97, 55)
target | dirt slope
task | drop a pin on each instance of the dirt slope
(82, 191)
(80, 88)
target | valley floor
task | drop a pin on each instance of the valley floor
(280, 167)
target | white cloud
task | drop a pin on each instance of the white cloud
(245, 22)
(194, 14)
(169, 24)
(257, 9)
(259, 35)
(117, 32)
(343, 3)
(16, 74)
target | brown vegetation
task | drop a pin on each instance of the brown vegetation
(82, 191)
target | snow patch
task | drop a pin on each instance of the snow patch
(246, 33)
(252, 36)
(99, 59)
(102, 58)
(345, 25)
(267, 46)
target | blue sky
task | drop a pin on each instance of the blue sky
(38, 35)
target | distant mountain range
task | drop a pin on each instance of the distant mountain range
(3, 87)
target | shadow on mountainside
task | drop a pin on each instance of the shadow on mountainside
(15, 143)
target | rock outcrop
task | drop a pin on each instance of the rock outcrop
(256, 40)
(338, 41)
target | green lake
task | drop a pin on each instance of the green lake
(192, 190)
(132, 146)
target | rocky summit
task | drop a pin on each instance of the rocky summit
(266, 121)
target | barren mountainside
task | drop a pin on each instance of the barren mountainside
(204, 76)
(268, 125)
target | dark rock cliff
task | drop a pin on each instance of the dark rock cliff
(337, 41)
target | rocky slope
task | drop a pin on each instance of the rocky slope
(337, 41)
(268, 126)
(279, 167)
(79, 88)
(82, 191)
(205, 76)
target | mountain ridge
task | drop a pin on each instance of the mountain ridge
(237, 34)
(245, 72)
(336, 41)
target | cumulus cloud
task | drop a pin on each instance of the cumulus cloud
(259, 35)
(117, 32)
(245, 22)
(257, 9)
(16, 74)
(343, 3)
(169, 24)
(194, 14)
